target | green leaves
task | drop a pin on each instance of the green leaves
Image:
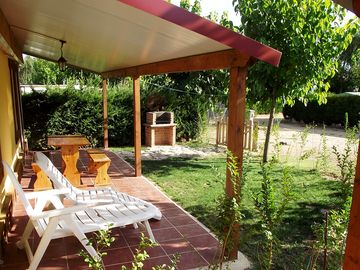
(308, 34)
(39, 71)
(271, 204)
(99, 241)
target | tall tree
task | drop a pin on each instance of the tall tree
(311, 38)
(347, 79)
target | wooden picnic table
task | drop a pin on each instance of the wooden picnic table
(69, 145)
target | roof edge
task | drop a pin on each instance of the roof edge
(356, 6)
(7, 40)
(207, 28)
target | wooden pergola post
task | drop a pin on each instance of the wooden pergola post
(235, 140)
(352, 249)
(137, 125)
(105, 114)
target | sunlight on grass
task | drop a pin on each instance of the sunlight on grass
(194, 184)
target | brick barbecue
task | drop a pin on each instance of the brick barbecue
(160, 128)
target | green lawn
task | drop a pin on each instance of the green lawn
(194, 184)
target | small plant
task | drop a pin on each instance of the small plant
(290, 147)
(99, 240)
(277, 144)
(304, 154)
(141, 256)
(323, 158)
(228, 209)
(103, 239)
(331, 236)
(271, 210)
(345, 160)
(346, 166)
(351, 133)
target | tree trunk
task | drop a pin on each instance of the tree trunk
(269, 126)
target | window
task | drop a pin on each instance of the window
(16, 101)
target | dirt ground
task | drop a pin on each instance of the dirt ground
(290, 132)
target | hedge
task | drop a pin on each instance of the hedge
(333, 112)
(70, 111)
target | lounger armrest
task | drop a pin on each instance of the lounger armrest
(63, 211)
(49, 193)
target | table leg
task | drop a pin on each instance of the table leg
(70, 156)
(102, 177)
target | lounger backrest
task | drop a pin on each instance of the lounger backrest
(58, 179)
(29, 209)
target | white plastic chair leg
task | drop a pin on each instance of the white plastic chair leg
(24, 238)
(149, 231)
(82, 238)
(44, 242)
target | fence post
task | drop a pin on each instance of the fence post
(224, 132)
(251, 129)
(217, 133)
(246, 135)
(255, 136)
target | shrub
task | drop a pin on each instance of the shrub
(71, 111)
(333, 112)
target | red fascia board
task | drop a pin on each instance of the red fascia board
(356, 7)
(202, 26)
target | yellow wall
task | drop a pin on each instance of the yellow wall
(7, 130)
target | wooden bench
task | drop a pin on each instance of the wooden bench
(99, 163)
(42, 182)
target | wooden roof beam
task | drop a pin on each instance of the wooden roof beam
(7, 40)
(208, 61)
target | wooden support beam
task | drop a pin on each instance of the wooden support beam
(105, 115)
(352, 249)
(137, 125)
(208, 61)
(7, 40)
(235, 139)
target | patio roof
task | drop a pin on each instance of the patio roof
(105, 36)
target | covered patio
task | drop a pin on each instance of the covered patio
(132, 38)
(177, 231)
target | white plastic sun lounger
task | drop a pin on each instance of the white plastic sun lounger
(103, 195)
(70, 221)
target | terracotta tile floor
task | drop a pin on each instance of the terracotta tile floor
(177, 232)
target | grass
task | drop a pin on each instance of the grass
(196, 185)
(190, 182)
(126, 148)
